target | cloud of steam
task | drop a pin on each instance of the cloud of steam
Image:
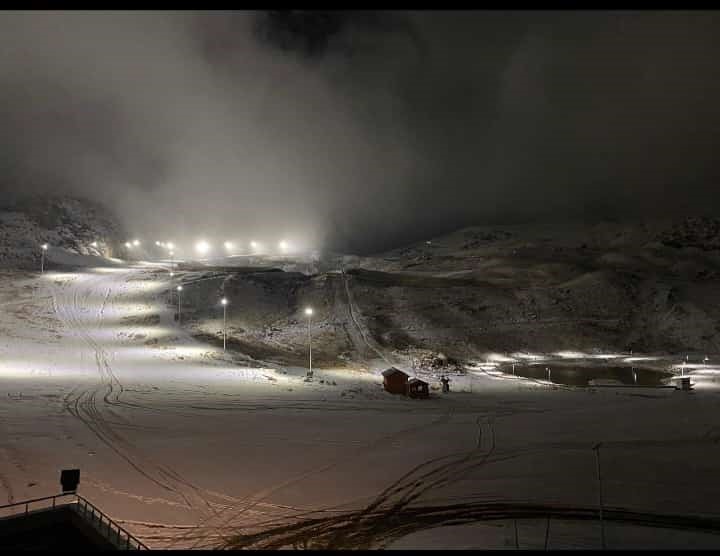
(372, 130)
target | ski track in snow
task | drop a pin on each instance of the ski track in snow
(89, 304)
(72, 300)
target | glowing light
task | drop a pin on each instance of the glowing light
(202, 247)
(158, 243)
(571, 354)
(170, 245)
(283, 245)
(94, 244)
(228, 245)
(172, 274)
(254, 244)
(224, 301)
(136, 242)
(44, 246)
(179, 288)
(308, 311)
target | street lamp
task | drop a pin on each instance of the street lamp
(283, 245)
(228, 245)
(136, 242)
(309, 314)
(172, 257)
(44, 247)
(128, 245)
(179, 290)
(202, 247)
(224, 303)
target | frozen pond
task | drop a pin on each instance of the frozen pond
(583, 375)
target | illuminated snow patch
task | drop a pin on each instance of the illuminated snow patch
(107, 269)
(571, 354)
(607, 356)
(500, 358)
(529, 356)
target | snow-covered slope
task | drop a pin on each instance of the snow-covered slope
(645, 286)
(69, 226)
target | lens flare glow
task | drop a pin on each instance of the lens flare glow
(202, 247)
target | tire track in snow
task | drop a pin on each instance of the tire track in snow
(352, 308)
(84, 406)
(253, 500)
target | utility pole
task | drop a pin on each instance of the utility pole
(596, 449)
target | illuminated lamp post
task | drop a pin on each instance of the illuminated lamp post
(179, 290)
(224, 303)
(309, 314)
(43, 248)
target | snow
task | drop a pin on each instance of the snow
(184, 444)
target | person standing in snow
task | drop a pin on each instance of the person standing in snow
(445, 384)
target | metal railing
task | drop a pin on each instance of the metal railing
(102, 523)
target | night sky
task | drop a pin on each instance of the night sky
(362, 130)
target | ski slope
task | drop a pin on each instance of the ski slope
(185, 445)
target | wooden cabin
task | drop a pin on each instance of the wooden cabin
(395, 381)
(417, 388)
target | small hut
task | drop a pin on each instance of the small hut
(417, 388)
(394, 381)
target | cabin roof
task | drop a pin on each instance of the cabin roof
(392, 371)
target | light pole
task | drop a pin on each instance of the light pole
(172, 258)
(44, 247)
(596, 449)
(309, 313)
(179, 290)
(224, 303)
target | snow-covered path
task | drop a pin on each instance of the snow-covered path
(184, 444)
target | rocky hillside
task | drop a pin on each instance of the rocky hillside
(64, 223)
(649, 287)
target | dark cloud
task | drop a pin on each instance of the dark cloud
(359, 130)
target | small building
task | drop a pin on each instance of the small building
(417, 388)
(395, 381)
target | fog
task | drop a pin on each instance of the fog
(374, 130)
